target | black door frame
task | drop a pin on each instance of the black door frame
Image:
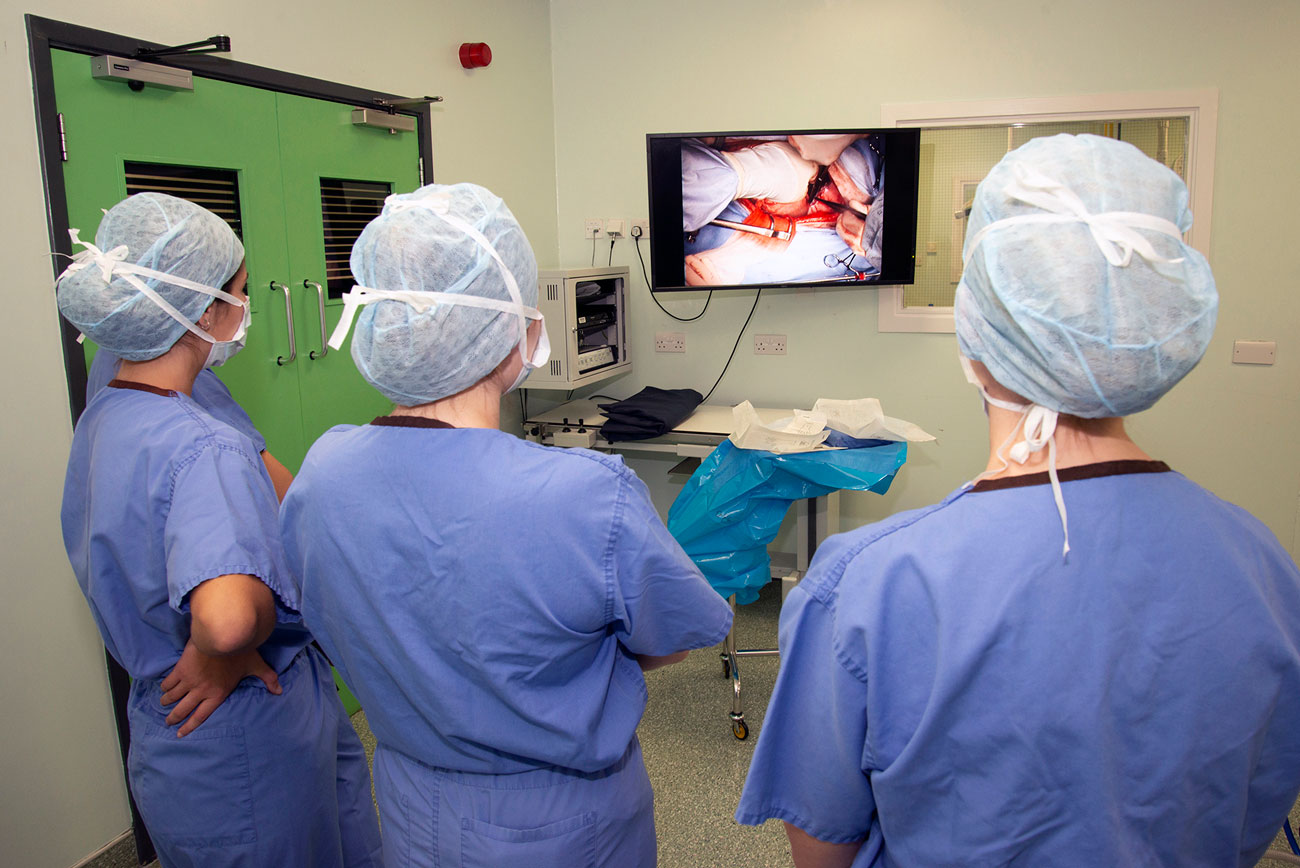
(45, 35)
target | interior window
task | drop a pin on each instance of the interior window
(955, 159)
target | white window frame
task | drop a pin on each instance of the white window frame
(1200, 107)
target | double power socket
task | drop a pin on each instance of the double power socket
(764, 345)
(615, 227)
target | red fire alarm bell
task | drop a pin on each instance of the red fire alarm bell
(475, 54)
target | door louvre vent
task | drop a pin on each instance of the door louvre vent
(557, 368)
(552, 292)
(346, 208)
(214, 189)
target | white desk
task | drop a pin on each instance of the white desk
(695, 437)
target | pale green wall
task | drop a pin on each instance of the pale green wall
(61, 795)
(624, 68)
(565, 107)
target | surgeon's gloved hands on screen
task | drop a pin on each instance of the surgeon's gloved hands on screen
(852, 187)
(823, 149)
(863, 233)
(772, 170)
(850, 226)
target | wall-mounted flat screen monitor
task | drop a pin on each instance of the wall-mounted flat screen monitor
(782, 208)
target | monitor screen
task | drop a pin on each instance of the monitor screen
(784, 208)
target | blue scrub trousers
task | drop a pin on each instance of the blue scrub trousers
(544, 818)
(265, 781)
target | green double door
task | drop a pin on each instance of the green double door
(295, 178)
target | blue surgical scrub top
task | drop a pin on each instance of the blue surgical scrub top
(209, 392)
(956, 693)
(484, 595)
(159, 497)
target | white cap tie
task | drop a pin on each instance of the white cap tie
(1115, 232)
(114, 263)
(360, 296)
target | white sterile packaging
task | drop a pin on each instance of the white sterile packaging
(802, 432)
(863, 419)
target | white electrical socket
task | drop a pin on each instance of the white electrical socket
(640, 228)
(592, 227)
(614, 227)
(769, 345)
(670, 342)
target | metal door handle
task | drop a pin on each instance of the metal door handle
(288, 316)
(320, 305)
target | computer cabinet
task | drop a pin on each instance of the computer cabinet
(585, 319)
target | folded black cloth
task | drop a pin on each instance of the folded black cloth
(649, 413)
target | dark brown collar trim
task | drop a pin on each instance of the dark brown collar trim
(409, 422)
(1071, 474)
(141, 387)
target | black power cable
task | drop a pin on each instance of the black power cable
(636, 239)
(757, 295)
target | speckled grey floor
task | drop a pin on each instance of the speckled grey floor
(696, 765)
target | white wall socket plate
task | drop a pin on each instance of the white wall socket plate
(769, 345)
(642, 225)
(592, 227)
(670, 342)
(1253, 352)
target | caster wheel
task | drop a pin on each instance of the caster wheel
(740, 729)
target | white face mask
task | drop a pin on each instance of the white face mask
(223, 351)
(974, 380)
(541, 354)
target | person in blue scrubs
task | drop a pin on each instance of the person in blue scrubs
(1083, 658)
(492, 602)
(210, 393)
(240, 751)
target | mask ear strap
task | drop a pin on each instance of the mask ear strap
(1038, 425)
(360, 296)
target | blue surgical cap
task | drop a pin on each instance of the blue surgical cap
(166, 234)
(1078, 291)
(414, 357)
